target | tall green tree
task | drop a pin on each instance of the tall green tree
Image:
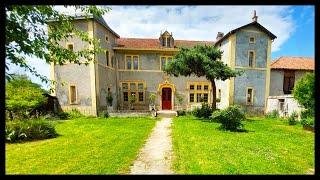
(23, 96)
(304, 91)
(26, 30)
(201, 60)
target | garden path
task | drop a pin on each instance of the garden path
(156, 155)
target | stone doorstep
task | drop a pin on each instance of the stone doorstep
(167, 113)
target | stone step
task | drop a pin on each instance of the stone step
(167, 113)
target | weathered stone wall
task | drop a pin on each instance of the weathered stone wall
(276, 82)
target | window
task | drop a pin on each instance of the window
(281, 104)
(251, 58)
(198, 97)
(168, 42)
(288, 82)
(205, 97)
(164, 61)
(201, 93)
(135, 88)
(107, 58)
(252, 40)
(107, 38)
(70, 47)
(249, 96)
(132, 62)
(191, 97)
(73, 94)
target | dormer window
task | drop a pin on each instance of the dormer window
(166, 39)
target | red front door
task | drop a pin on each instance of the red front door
(166, 98)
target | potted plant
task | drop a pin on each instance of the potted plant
(132, 100)
(109, 99)
(152, 99)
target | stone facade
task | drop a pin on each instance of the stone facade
(95, 81)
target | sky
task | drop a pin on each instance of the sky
(293, 26)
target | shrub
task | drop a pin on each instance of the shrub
(273, 114)
(28, 130)
(230, 118)
(292, 119)
(63, 115)
(203, 112)
(181, 112)
(307, 113)
(308, 123)
(109, 99)
(75, 113)
(104, 114)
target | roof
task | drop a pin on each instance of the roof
(142, 43)
(98, 19)
(293, 63)
(254, 23)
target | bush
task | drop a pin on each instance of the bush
(292, 119)
(104, 114)
(230, 118)
(203, 112)
(181, 112)
(63, 115)
(306, 114)
(28, 130)
(308, 123)
(75, 113)
(272, 115)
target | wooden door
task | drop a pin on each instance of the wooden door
(166, 98)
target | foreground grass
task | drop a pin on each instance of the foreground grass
(85, 146)
(270, 147)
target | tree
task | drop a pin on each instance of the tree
(201, 61)
(27, 36)
(23, 96)
(304, 91)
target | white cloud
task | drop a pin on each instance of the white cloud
(198, 22)
(188, 22)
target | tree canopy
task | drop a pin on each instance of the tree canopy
(201, 60)
(26, 30)
(23, 96)
(304, 91)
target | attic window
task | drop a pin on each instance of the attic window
(70, 47)
(252, 40)
(107, 38)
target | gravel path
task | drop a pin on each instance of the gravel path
(155, 157)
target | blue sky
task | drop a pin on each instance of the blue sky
(293, 26)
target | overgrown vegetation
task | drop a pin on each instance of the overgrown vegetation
(304, 91)
(292, 120)
(308, 123)
(203, 112)
(27, 130)
(24, 98)
(104, 114)
(273, 114)
(230, 118)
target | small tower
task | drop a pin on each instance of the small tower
(166, 39)
(255, 17)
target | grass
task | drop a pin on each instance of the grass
(269, 147)
(85, 146)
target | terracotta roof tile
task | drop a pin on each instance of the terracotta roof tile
(155, 43)
(294, 63)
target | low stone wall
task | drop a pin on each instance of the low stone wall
(290, 105)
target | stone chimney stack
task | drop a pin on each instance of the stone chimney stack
(255, 17)
(219, 35)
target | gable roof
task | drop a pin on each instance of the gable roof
(293, 63)
(143, 43)
(254, 23)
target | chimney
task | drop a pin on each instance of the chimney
(255, 17)
(219, 35)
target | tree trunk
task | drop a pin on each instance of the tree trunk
(214, 96)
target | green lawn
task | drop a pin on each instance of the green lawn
(270, 147)
(85, 146)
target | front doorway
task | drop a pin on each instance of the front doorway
(166, 98)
